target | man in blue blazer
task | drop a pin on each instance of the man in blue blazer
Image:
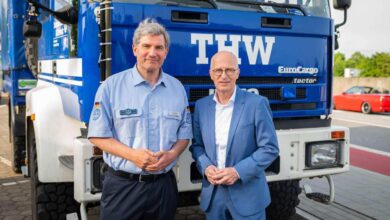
(234, 142)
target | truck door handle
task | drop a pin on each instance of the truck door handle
(269, 22)
(189, 17)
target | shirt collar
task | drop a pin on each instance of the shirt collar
(138, 79)
(231, 100)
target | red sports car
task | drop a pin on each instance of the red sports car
(363, 99)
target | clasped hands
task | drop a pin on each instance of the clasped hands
(153, 162)
(225, 176)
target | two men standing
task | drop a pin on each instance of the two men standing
(142, 123)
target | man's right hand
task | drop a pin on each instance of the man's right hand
(210, 173)
(143, 158)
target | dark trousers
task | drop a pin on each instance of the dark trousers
(127, 199)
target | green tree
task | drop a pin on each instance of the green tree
(339, 64)
(357, 61)
(377, 66)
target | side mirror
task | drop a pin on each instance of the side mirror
(341, 4)
(66, 15)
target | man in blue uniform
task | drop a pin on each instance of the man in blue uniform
(234, 142)
(142, 123)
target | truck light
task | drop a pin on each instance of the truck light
(322, 154)
(338, 134)
(288, 92)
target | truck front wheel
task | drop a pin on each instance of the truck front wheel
(49, 200)
(284, 199)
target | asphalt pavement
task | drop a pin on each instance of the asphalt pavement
(370, 130)
(360, 193)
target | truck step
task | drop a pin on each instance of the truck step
(318, 197)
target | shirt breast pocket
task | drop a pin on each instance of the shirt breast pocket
(128, 122)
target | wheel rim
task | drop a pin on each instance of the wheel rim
(365, 108)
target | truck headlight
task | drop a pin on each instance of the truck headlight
(322, 154)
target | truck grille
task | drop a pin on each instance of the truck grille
(284, 107)
(294, 106)
(270, 93)
(205, 80)
(273, 94)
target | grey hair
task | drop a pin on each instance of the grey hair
(150, 26)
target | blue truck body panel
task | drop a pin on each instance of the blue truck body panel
(291, 66)
(14, 66)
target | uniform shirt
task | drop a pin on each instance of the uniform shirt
(129, 110)
(223, 117)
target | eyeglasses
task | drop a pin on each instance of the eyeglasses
(228, 71)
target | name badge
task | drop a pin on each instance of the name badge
(174, 114)
(128, 112)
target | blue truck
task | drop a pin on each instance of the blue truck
(61, 50)
(16, 76)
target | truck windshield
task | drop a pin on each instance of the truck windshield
(297, 7)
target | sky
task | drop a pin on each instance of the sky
(367, 29)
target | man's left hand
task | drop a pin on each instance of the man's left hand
(164, 159)
(226, 176)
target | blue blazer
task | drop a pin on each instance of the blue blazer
(252, 146)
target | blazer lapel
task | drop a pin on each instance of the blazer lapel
(238, 107)
(210, 123)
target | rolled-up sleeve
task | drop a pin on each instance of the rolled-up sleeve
(185, 129)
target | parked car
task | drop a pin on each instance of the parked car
(363, 99)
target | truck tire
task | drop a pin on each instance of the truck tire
(284, 199)
(190, 198)
(31, 54)
(18, 153)
(48, 200)
(18, 143)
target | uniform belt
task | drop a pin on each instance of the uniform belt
(137, 177)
